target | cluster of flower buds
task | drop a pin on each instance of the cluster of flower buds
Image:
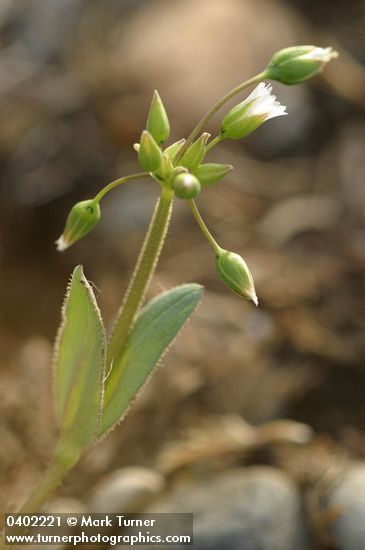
(186, 176)
(181, 167)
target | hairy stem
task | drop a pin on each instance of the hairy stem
(49, 482)
(212, 111)
(145, 267)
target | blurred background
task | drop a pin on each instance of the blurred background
(282, 385)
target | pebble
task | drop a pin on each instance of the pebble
(254, 508)
(125, 490)
(348, 497)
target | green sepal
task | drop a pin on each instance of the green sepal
(165, 168)
(81, 219)
(195, 154)
(211, 173)
(149, 154)
(173, 149)
(237, 125)
(234, 272)
(296, 64)
(157, 121)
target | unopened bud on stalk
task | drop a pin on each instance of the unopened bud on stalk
(234, 272)
(157, 121)
(248, 115)
(196, 152)
(298, 63)
(80, 221)
(149, 154)
(211, 173)
(165, 168)
(173, 149)
(185, 185)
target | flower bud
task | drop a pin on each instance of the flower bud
(211, 173)
(80, 221)
(234, 272)
(165, 168)
(149, 154)
(173, 149)
(298, 63)
(195, 154)
(157, 121)
(185, 185)
(248, 115)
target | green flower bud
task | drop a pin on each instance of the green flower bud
(211, 173)
(196, 152)
(248, 115)
(185, 185)
(298, 63)
(234, 272)
(165, 168)
(157, 121)
(80, 221)
(173, 149)
(149, 154)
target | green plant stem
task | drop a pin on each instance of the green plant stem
(145, 267)
(217, 249)
(119, 181)
(214, 142)
(49, 482)
(213, 110)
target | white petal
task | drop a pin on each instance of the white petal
(61, 244)
(320, 54)
(263, 103)
(277, 110)
(258, 91)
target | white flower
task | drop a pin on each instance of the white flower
(259, 106)
(261, 102)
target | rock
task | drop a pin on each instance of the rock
(256, 508)
(294, 215)
(348, 498)
(125, 490)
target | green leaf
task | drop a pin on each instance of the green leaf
(79, 362)
(156, 327)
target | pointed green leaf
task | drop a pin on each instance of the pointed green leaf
(156, 327)
(79, 364)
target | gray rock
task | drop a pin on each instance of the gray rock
(256, 508)
(349, 498)
(125, 490)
